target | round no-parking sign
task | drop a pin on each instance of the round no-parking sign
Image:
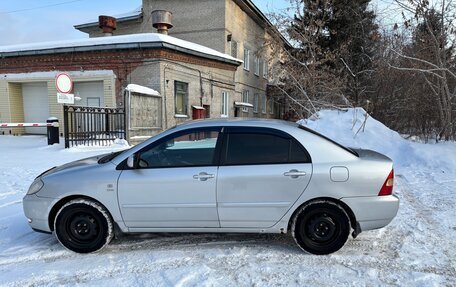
(63, 83)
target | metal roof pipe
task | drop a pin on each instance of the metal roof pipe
(108, 24)
(162, 21)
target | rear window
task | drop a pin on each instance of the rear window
(263, 148)
(328, 139)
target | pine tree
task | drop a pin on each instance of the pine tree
(341, 35)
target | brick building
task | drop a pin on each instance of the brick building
(216, 57)
(185, 74)
(234, 27)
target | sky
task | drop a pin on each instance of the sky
(27, 21)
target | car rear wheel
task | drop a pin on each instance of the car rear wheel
(321, 227)
(83, 226)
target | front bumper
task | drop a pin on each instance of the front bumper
(37, 209)
(373, 212)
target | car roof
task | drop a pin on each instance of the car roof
(247, 122)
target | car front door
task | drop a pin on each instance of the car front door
(174, 184)
(263, 172)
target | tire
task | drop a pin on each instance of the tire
(321, 227)
(83, 226)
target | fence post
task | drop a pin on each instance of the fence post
(107, 124)
(66, 126)
(52, 131)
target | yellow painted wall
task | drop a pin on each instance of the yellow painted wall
(4, 102)
(16, 106)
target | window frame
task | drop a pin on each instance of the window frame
(224, 109)
(265, 69)
(258, 130)
(217, 150)
(234, 48)
(271, 106)
(185, 98)
(264, 104)
(247, 59)
(256, 67)
(256, 102)
(246, 93)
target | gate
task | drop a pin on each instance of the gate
(93, 125)
(144, 116)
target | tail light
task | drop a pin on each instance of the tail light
(387, 188)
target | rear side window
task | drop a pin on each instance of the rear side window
(245, 148)
(297, 153)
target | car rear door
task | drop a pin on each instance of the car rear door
(175, 184)
(262, 173)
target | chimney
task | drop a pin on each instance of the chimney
(162, 21)
(108, 24)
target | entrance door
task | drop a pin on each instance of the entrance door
(174, 183)
(91, 94)
(262, 174)
(36, 105)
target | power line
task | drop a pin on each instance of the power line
(40, 7)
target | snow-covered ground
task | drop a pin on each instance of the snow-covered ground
(417, 249)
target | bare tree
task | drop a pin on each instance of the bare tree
(305, 82)
(430, 56)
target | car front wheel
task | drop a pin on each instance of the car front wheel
(83, 226)
(321, 227)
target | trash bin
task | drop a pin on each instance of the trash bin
(53, 131)
(198, 112)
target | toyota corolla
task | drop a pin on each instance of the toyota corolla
(249, 176)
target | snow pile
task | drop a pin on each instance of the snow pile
(346, 127)
(116, 145)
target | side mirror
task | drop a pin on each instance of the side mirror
(131, 161)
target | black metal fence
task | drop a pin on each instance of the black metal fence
(92, 125)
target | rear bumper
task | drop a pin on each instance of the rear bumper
(36, 209)
(373, 212)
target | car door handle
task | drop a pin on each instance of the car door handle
(202, 176)
(294, 173)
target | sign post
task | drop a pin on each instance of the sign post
(64, 86)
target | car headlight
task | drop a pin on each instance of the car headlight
(36, 186)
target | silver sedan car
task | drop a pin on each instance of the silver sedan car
(261, 176)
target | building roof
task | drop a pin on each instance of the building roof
(141, 90)
(247, 5)
(132, 41)
(132, 15)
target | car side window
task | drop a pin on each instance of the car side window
(297, 153)
(183, 149)
(242, 148)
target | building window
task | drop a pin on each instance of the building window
(246, 59)
(265, 69)
(234, 49)
(271, 106)
(263, 104)
(245, 99)
(180, 97)
(255, 103)
(257, 66)
(225, 101)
